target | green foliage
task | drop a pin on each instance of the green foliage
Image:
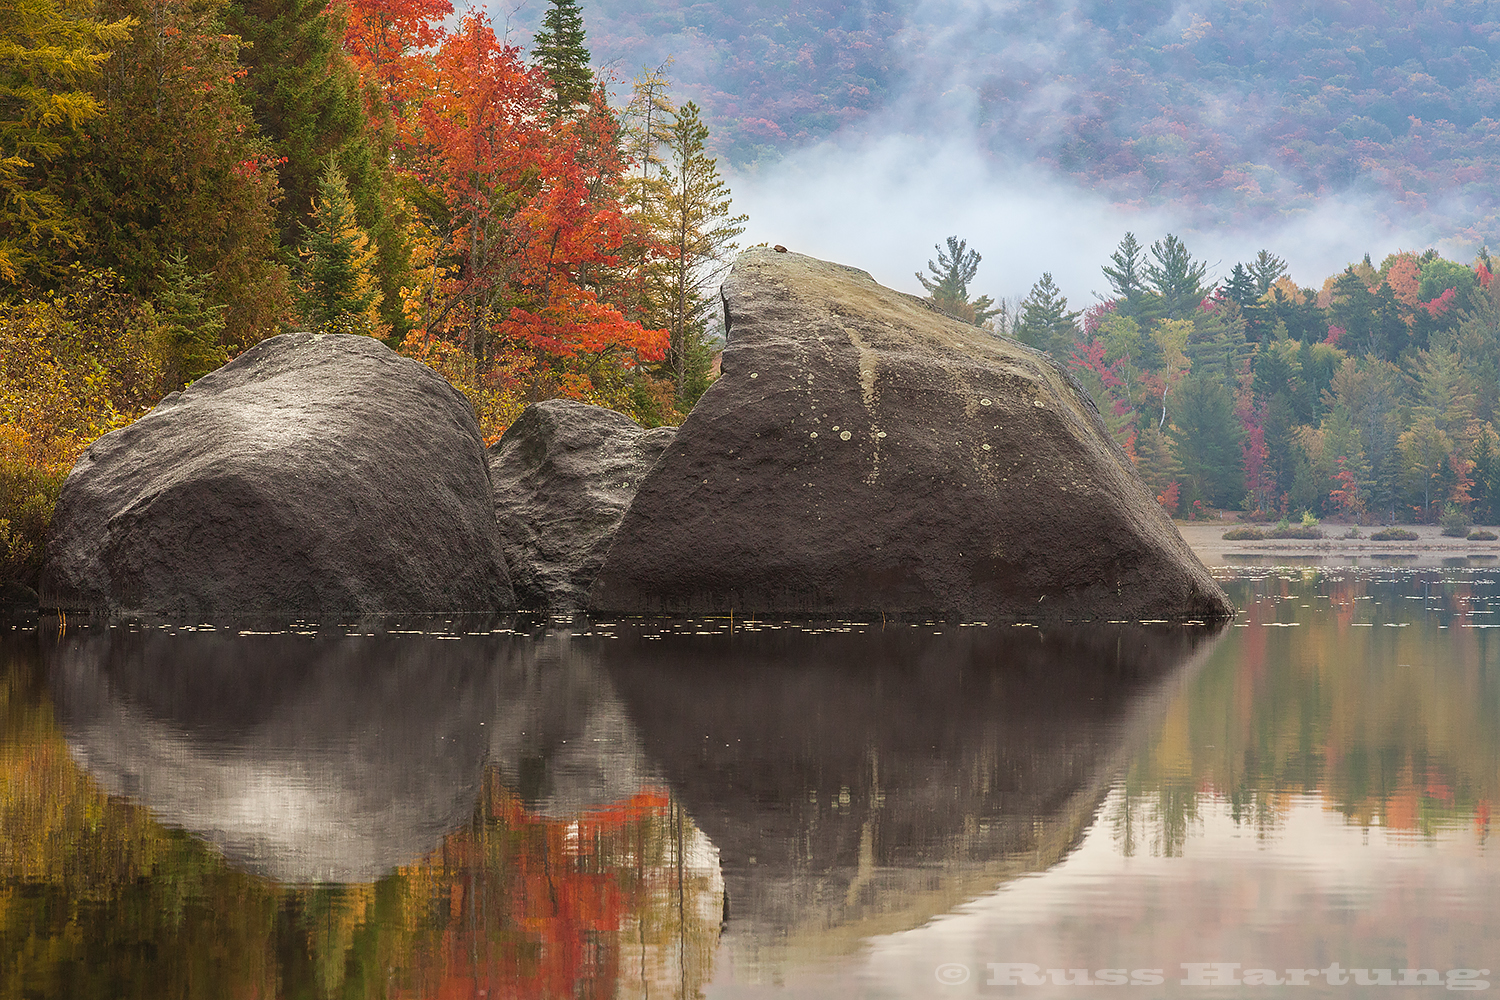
(50, 51)
(175, 166)
(1455, 523)
(1393, 534)
(1207, 439)
(337, 288)
(1046, 322)
(559, 50)
(193, 327)
(948, 288)
(304, 93)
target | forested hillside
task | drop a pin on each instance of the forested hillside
(1372, 397)
(180, 179)
(1233, 111)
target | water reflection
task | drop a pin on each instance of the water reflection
(860, 780)
(669, 809)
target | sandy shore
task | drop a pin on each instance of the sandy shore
(1430, 548)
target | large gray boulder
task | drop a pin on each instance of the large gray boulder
(863, 453)
(311, 475)
(564, 474)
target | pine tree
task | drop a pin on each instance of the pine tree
(1206, 439)
(559, 50)
(338, 290)
(1175, 277)
(1127, 277)
(50, 50)
(1265, 269)
(948, 288)
(193, 326)
(1046, 323)
(702, 238)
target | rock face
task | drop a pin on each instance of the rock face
(863, 453)
(311, 475)
(564, 474)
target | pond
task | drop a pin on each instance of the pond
(646, 808)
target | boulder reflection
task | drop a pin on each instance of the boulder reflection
(859, 781)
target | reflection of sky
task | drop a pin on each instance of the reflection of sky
(1314, 890)
(1380, 693)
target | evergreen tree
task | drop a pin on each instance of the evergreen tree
(1206, 437)
(1265, 269)
(559, 50)
(305, 94)
(1046, 323)
(1127, 277)
(338, 290)
(702, 237)
(948, 288)
(193, 326)
(1175, 277)
(176, 165)
(1241, 287)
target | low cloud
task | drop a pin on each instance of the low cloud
(882, 204)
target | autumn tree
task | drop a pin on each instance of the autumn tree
(702, 239)
(50, 53)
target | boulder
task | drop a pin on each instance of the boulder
(314, 474)
(564, 474)
(863, 453)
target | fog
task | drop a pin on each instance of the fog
(976, 92)
(882, 204)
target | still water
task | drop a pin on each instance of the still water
(535, 808)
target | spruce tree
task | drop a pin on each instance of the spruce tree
(1175, 277)
(305, 94)
(1046, 323)
(559, 50)
(193, 326)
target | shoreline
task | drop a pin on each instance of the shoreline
(1430, 548)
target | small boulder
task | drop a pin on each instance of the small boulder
(863, 453)
(564, 474)
(314, 474)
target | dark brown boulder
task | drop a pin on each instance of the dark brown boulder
(564, 473)
(312, 475)
(863, 453)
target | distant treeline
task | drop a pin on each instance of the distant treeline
(1375, 396)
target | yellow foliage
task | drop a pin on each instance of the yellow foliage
(72, 367)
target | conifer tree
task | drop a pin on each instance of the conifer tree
(338, 290)
(948, 288)
(1127, 277)
(194, 327)
(559, 50)
(1175, 277)
(304, 92)
(50, 51)
(1046, 323)
(702, 238)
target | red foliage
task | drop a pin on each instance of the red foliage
(1169, 497)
